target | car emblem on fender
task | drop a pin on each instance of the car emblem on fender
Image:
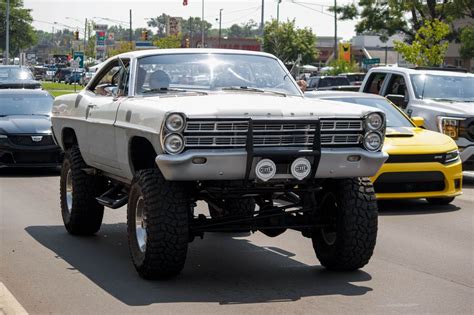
(265, 169)
(300, 168)
(37, 138)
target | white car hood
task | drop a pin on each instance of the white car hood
(256, 105)
(450, 108)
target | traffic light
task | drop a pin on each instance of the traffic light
(145, 35)
(76, 35)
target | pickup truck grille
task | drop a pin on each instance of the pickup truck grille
(233, 134)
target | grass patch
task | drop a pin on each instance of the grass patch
(51, 86)
(56, 93)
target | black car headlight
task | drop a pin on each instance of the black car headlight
(3, 137)
(451, 157)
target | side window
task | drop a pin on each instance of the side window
(107, 79)
(374, 83)
(397, 86)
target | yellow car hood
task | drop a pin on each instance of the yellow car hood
(406, 140)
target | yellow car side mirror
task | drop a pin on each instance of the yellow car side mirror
(418, 121)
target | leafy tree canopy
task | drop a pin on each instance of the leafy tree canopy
(467, 42)
(286, 42)
(22, 34)
(429, 47)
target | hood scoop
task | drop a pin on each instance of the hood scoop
(398, 135)
(398, 132)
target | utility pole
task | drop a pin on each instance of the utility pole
(262, 18)
(278, 11)
(335, 30)
(85, 37)
(202, 25)
(130, 35)
(7, 37)
(220, 26)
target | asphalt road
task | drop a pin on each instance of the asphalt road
(424, 262)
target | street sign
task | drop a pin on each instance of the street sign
(79, 58)
(373, 61)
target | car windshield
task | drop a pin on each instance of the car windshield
(204, 71)
(326, 82)
(443, 87)
(393, 115)
(355, 77)
(25, 104)
(14, 73)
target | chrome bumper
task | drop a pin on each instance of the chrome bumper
(230, 164)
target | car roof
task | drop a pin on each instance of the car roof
(179, 51)
(342, 94)
(421, 71)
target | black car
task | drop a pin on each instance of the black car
(17, 77)
(25, 129)
(330, 83)
(61, 75)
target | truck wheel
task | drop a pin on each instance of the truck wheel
(158, 225)
(234, 207)
(350, 208)
(81, 213)
(440, 201)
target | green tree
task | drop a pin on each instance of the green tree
(22, 34)
(467, 42)
(159, 23)
(248, 29)
(122, 48)
(429, 46)
(192, 26)
(389, 17)
(286, 42)
(342, 66)
(171, 41)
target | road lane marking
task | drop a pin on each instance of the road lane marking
(8, 304)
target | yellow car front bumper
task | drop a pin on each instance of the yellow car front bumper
(418, 180)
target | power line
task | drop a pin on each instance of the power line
(241, 17)
(309, 8)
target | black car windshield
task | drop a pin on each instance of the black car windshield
(326, 82)
(443, 87)
(393, 115)
(14, 73)
(355, 77)
(212, 71)
(25, 104)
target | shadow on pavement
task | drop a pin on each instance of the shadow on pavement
(29, 172)
(219, 269)
(412, 207)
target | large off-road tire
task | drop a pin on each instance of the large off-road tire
(158, 217)
(440, 201)
(350, 208)
(242, 207)
(81, 213)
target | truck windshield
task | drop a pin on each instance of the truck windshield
(212, 71)
(393, 115)
(443, 87)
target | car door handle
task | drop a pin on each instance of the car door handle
(91, 106)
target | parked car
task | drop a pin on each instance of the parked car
(421, 163)
(233, 130)
(443, 97)
(25, 129)
(330, 83)
(73, 77)
(355, 78)
(61, 74)
(14, 77)
(39, 72)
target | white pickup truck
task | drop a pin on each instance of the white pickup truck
(164, 129)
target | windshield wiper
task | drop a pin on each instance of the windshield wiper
(251, 89)
(166, 90)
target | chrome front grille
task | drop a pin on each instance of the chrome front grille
(233, 134)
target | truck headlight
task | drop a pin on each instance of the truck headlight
(174, 143)
(451, 157)
(174, 123)
(374, 121)
(373, 141)
(450, 126)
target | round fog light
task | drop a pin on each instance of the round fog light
(174, 144)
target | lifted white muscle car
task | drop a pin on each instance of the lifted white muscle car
(164, 129)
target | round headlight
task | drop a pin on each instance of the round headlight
(175, 122)
(174, 144)
(374, 121)
(373, 141)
